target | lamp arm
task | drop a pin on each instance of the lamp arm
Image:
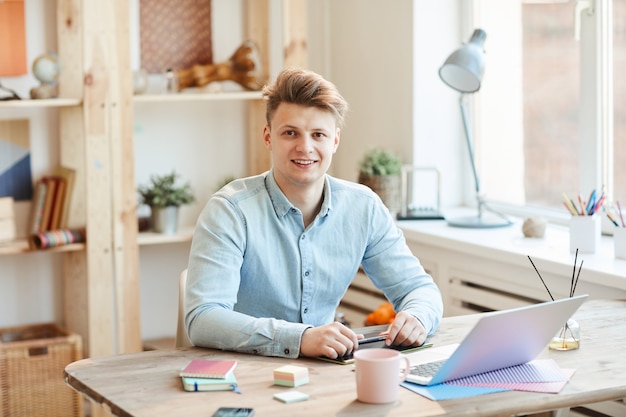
(470, 149)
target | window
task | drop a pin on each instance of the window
(619, 94)
(544, 115)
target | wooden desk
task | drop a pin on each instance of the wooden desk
(146, 383)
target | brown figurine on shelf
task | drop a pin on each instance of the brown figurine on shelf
(243, 67)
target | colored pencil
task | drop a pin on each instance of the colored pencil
(591, 202)
(610, 216)
(598, 205)
(582, 204)
(569, 205)
(619, 208)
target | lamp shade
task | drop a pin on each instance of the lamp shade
(463, 70)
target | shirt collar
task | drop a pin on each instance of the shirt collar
(281, 203)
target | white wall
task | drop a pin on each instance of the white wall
(370, 61)
(438, 139)
(384, 64)
(205, 143)
(384, 58)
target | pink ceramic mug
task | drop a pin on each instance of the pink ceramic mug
(378, 374)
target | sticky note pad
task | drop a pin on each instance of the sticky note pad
(291, 376)
(291, 396)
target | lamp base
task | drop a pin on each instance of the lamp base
(479, 222)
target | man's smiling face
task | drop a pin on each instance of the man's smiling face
(302, 141)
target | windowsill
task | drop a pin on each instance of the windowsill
(508, 244)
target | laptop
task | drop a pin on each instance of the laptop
(498, 340)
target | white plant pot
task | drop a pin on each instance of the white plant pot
(165, 219)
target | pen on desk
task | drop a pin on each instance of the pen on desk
(372, 340)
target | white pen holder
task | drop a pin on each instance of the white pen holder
(584, 233)
(619, 240)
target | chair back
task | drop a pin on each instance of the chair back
(182, 340)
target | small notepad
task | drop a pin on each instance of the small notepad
(206, 368)
(210, 384)
(291, 396)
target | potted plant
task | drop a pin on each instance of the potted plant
(164, 197)
(380, 169)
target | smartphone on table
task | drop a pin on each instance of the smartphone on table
(234, 412)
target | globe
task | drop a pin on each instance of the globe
(46, 68)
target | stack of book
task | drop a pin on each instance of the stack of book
(209, 375)
(51, 203)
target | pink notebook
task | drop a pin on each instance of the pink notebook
(206, 368)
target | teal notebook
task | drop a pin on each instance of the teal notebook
(210, 384)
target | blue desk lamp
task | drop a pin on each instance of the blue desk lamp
(463, 72)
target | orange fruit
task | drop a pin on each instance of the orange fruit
(382, 315)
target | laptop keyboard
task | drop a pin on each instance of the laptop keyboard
(426, 370)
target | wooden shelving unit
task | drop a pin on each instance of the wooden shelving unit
(21, 246)
(149, 238)
(192, 96)
(101, 284)
(95, 110)
(52, 102)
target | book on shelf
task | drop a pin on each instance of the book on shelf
(69, 175)
(207, 368)
(210, 384)
(46, 215)
(57, 204)
(39, 200)
(52, 201)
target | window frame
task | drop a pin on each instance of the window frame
(595, 112)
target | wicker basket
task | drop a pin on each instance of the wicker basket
(32, 360)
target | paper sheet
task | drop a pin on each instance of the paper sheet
(441, 392)
(543, 375)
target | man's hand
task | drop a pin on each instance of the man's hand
(405, 331)
(331, 340)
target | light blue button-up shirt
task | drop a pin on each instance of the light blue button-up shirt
(257, 279)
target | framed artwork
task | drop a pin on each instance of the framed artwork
(174, 34)
(12, 39)
(15, 176)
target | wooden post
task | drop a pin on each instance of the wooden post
(102, 283)
(257, 29)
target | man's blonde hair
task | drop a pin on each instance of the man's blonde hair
(306, 88)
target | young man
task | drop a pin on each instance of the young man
(273, 254)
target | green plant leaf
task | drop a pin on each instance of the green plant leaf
(162, 191)
(380, 161)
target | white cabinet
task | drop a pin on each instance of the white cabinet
(488, 269)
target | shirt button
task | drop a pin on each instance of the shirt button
(302, 237)
(255, 351)
(306, 274)
(306, 310)
(293, 210)
(286, 351)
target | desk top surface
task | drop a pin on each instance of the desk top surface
(147, 383)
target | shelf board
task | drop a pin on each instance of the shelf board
(49, 102)
(151, 238)
(197, 96)
(18, 246)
